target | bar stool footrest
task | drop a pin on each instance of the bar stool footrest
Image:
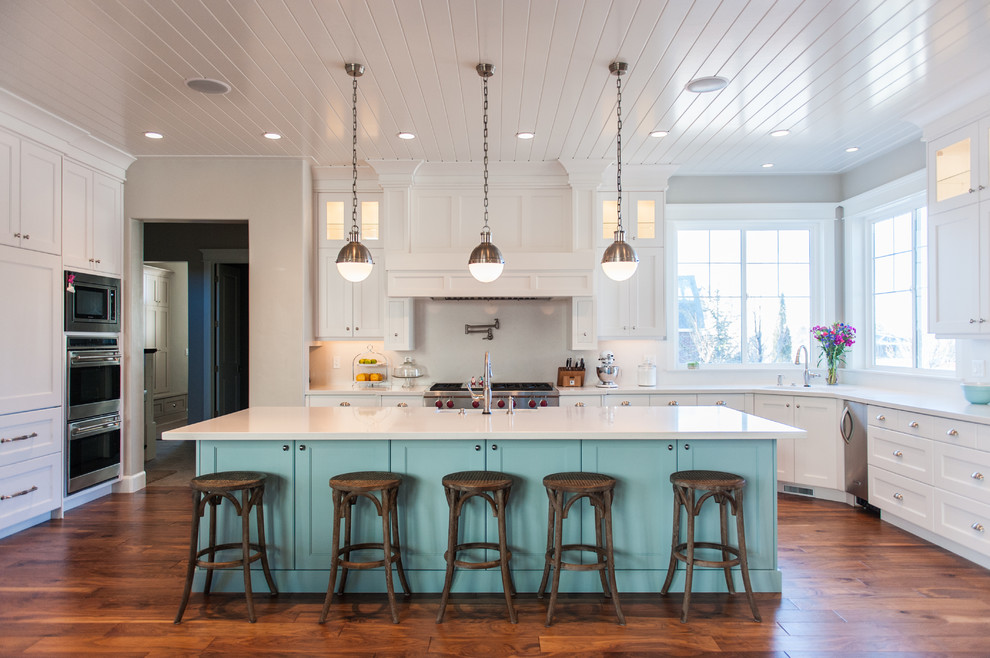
(573, 566)
(372, 564)
(718, 564)
(239, 562)
(490, 564)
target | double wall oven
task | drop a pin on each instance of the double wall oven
(92, 382)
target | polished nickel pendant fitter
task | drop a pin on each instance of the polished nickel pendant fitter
(486, 260)
(619, 261)
(354, 262)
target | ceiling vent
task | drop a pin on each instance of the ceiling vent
(208, 86)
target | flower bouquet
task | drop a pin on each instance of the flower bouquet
(834, 340)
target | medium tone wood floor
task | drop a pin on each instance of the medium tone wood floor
(108, 579)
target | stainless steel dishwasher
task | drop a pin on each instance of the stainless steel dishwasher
(852, 427)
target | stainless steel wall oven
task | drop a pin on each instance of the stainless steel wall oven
(93, 407)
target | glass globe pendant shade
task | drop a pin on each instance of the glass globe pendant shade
(354, 262)
(619, 261)
(486, 262)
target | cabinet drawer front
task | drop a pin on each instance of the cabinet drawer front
(731, 400)
(963, 520)
(673, 400)
(915, 424)
(906, 455)
(956, 432)
(31, 434)
(343, 400)
(882, 417)
(963, 470)
(174, 405)
(623, 400)
(902, 497)
(30, 488)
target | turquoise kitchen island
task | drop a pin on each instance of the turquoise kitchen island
(301, 448)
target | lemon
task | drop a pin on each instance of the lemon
(361, 377)
(375, 377)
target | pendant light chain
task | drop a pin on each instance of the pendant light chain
(354, 200)
(485, 78)
(618, 151)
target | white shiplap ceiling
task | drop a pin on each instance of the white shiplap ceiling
(836, 73)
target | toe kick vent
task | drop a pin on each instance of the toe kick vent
(801, 491)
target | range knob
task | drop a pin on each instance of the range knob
(532, 404)
(501, 404)
(439, 404)
(450, 404)
(543, 403)
(475, 404)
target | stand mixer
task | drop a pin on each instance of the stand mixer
(607, 371)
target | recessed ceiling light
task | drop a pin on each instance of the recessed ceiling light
(852, 149)
(406, 135)
(208, 85)
(706, 84)
(659, 133)
(272, 136)
(767, 165)
(783, 132)
(153, 135)
(525, 134)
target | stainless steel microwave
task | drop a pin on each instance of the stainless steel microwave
(92, 303)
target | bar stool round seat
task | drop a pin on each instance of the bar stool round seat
(494, 488)
(211, 490)
(345, 489)
(599, 489)
(726, 489)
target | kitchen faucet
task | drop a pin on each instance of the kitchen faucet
(797, 361)
(486, 391)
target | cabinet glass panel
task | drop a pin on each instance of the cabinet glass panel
(646, 219)
(952, 170)
(335, 220)
(610, 219)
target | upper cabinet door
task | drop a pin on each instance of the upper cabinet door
(41, 198)
(10, 189)
(958, 254)
(77, 216)
(642, 218)
(954, 169)
(334, 213)
(108, 225)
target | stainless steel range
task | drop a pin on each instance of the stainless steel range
(526, 395)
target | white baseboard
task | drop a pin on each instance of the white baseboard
(131, 483)
(938, 540)
(822, 493)
(86, 495)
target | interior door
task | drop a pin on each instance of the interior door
(230, 368)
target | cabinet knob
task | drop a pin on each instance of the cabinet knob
(898, 453)
(17, 235)
(579, 404)
(882, 418)
(972, 320)
(898, 496)
(98, 261)
(27, 237)
(302, 448)
(357, 328)
(92, 260)
(977, 526)
(797, 406)
(625, 403)
(477, 447)
(584, 333)
(719, 403)
(952, 433)
(402, 404)
(671, 403)
(395, 335)
(285, 448)
(913, 424)
(971, 190)
(345, 403)
(494, 447)
(977, 476)
(687, 446)
(347, 328)
(787, 405)
(670, 446)
(982, 187)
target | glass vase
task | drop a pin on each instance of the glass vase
(832, 378)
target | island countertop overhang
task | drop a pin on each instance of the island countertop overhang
(357, 423)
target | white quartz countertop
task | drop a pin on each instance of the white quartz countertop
(329, 423)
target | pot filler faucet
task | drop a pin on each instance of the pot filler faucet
(797, 361)
(486, 390)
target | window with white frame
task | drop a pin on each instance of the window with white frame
(900, 295)
(743, 294)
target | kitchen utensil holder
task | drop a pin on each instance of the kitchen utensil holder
(570, 377)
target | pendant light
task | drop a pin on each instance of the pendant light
(486, 260)
(619, 261)
(354, 262)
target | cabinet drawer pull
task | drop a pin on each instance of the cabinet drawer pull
(977, 476)
(402, 404)
(23, 437)
(898, 496)
(625, 403)
(977, 526)
(972, 321)
(17, 235)
(898, 453)
(719, 403)
(952, 433)
(579, 404)
(913, 424)
(881, 418)
(27, 237)
(345, 403)
(672, 403)
(19, 493)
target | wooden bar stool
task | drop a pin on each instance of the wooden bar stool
(599, 490)
(493, 487)
(346, 489)
(212, 490)
(725, 489)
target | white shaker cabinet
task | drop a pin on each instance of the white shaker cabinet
(31, 330)
(30, 195)
(92, 221)
(350, 310)
(584, 334)
(959, 167)
(642, 218)
(816, 460)
(959, 271)
(157, 286)
(400, 324)
(634, 307)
